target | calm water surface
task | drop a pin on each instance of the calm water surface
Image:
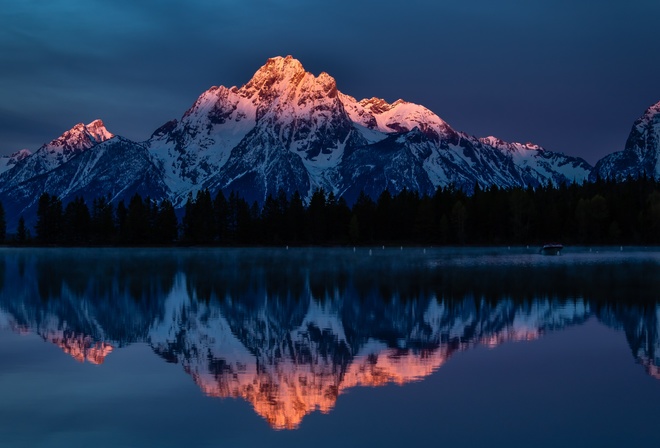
(329, 347)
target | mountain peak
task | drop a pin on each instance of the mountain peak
(645, 133)
(81, 135)
(653, 110)
(20, 154)
(287, 63)
(78, 139)
(640, 155)
(375, 105)
(275, 70)
(98, 130)
(283, 77)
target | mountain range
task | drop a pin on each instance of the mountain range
(289, 130)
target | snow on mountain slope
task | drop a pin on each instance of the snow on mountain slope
(641, 155)
(400, 116)
(300, 136)
(244, 136)
(118, 168)
(75, 141)
(8, 162)
(543, 165)
(447, 156)
(196, 147)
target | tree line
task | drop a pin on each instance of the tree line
(600, 212)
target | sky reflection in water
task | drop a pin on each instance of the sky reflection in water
(292, 332)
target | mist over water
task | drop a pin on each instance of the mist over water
(284, 345)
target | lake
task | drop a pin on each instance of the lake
(329, 347)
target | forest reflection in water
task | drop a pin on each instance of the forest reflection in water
(290, 330)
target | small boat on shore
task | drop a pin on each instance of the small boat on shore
(551, 249)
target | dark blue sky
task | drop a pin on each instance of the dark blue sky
(569, 75)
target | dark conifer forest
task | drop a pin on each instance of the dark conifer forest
(601, 212)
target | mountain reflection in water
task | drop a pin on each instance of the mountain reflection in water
(290, 331)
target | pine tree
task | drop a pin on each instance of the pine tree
(77, 222)
(220, 213)
(137, 222)
(270, 221)
(167, 225)
(384, 230)
(295, 218)
(199, 225)
(317, 219)
(424, 221)
(339, 218)
(354, 229)
(459, 219)
(21, 232)
(365, 211)
(122, 227)
(103, 230)
(49, 219)
(3, 224)
(204, 218)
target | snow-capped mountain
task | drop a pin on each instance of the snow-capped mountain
(641, 154)
(59, 151)
(285, 129)
(289, 129)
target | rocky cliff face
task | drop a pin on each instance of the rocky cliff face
(641, 155)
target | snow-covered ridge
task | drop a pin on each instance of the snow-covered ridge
(400, 116)
(72, 142)
(510, 147)
(23, 165)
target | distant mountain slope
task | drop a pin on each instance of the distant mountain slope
(75, 141)
(117, 168)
